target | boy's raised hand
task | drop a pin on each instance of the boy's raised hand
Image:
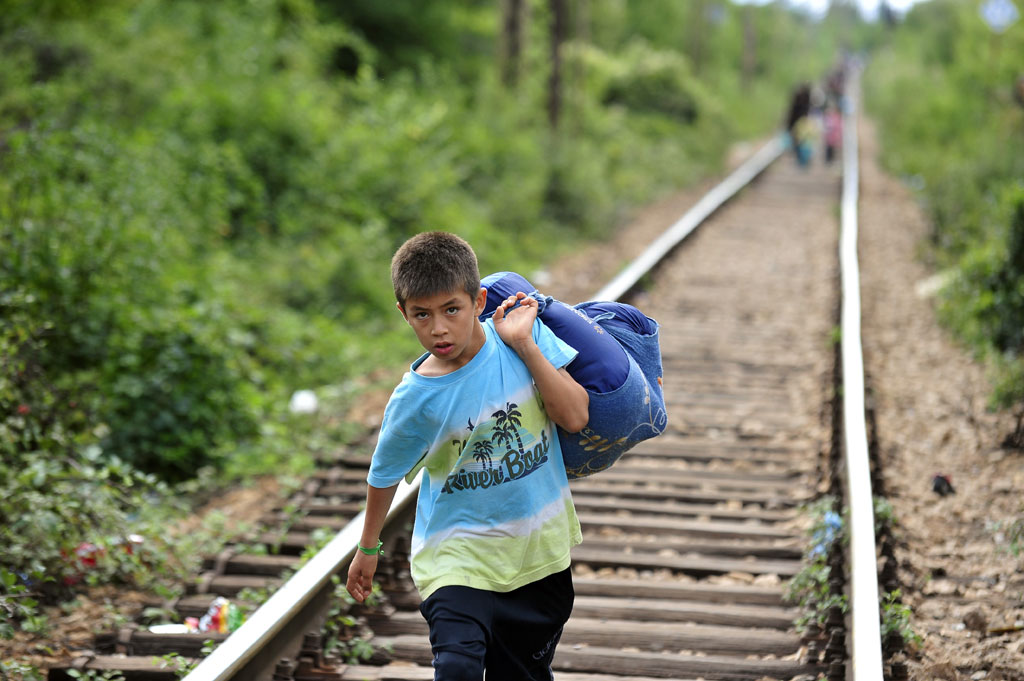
(515, 325)
(565, 400)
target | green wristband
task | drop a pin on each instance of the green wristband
(374, 551)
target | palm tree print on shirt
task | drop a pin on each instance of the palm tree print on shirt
(507, 425)
(482, 450)
(513, 465)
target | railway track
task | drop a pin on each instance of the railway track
(688, 541)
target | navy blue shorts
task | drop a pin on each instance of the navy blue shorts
(507, 636)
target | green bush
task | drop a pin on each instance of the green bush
(81, 240)
(172, 401)
(987, 298)
(985, 302)
(57, 493)
(20, 670)
(658, 81)
(943, 91)
(36, 416)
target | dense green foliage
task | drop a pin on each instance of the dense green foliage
(948, 93)
(198, 202)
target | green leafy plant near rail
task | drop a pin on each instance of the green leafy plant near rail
(810, 588)
(17, 606)
(17, 670)
(341, 628)
(883, 513)
(1015, 536)
(896, 621)
(180, 665)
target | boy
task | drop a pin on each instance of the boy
(494, 517)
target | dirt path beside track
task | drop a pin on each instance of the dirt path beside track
(960, 577)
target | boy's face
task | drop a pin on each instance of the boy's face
(447, 327)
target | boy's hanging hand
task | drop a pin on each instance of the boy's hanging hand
(514, 323)
(360, 576)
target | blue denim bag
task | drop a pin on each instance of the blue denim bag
(619, 364)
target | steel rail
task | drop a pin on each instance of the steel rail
(247, 647)
(247, 644)
(866, 645)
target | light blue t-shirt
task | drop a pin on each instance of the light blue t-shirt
(494, 510)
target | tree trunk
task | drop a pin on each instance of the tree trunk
(749, 46)
(698, 26)
(512, 12)
(559, 20)
(581, 36)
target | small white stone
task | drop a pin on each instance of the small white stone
(303, 402)
(541, 278)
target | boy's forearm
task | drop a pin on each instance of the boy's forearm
(566, 401)
(360, 572)
(378, 502)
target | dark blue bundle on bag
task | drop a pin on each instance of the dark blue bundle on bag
(619, 365)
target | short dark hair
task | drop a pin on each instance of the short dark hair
(431, 263)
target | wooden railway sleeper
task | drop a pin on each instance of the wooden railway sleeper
(310, 663)
(283, 670)
(205, 581)
(118, 642)
(395, 578)
(221, 562)
(313, 665)
(813, 638)
(80, 663)
(835, 651)
(202, 584)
